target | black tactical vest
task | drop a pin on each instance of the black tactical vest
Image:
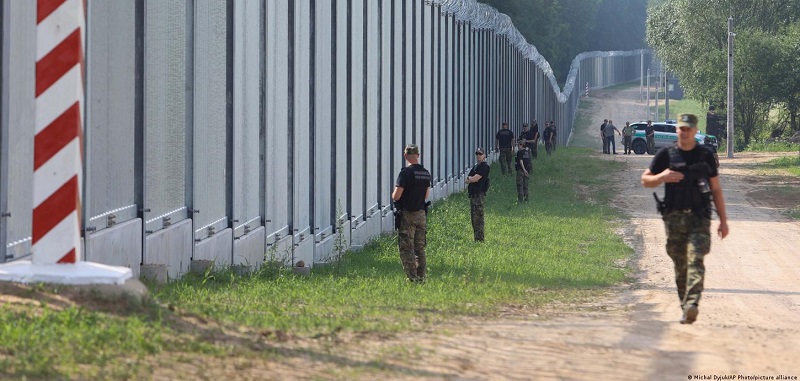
(693, 192)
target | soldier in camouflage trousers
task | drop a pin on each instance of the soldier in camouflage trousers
(412, 188)
(523, 166)
(691, 181)
(688, 241)
(477, 183)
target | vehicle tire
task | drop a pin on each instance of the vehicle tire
(639, 147)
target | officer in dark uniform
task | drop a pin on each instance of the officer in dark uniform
(504, 142)
(412, 188)
(534, 146)
(523, 166)
(529, 137)
(691, 183)
(478, 181)
(650, 135)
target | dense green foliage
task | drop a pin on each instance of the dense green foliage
(562, 29)
(691, 38)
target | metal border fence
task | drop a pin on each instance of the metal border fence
(239, 132)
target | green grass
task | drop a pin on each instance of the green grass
(620, 86)
(790, 164)
(684, 106)
(775, 146)
(559, 247)
(782, 166)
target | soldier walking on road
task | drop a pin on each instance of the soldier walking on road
(478, 183)
(412, 188)
(691, 183)
(524, 168)
(504, 142)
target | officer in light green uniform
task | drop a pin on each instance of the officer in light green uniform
(412, 188)
(627, 135)
(691, 181)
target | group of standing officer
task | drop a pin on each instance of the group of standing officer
(687, 170)
(413, 188)
(607, 130)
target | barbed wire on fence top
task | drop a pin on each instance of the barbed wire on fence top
(483, 16)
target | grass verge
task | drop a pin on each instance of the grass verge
(559, 247)
(788, 165)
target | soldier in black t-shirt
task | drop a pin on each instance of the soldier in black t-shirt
(478, 180)
(691, 184)
(504, 142)
(412, 188)
(549, 138)
(650, 135)
(529, 137)
(523, 166)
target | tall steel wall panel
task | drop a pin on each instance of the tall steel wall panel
(408, 72)
(437, 140)
(165, 113)
(374, 199)
(111, 136)
(415, 15)
(439, 98)
(448, 95)
(357, 105)
(426, 76)
(388, 150)
(210, 124)
(110, 129)
(247, 128)
(19, 57)
(322, 143)
(341, 114)
(3, 139)
(302, 129)
(465, 157)
(277, 198)
(398, 86)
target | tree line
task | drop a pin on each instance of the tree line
(691, 38)
(562, 29)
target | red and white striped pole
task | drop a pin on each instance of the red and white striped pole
(58, 153)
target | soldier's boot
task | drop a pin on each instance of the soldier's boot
(689, 314)
(420, 275)
(412, 275)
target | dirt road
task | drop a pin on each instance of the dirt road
(749, 322)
